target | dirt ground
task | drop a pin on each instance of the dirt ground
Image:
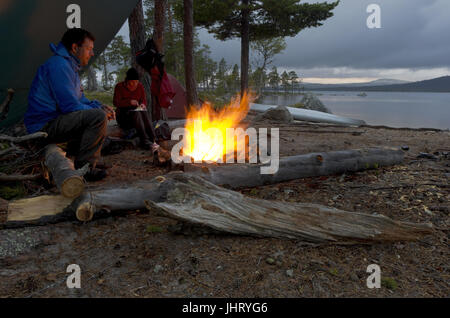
(142, 255)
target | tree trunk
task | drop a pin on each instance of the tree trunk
(92, 79)
(68, 180)
(158, 31)
(158, 37)
(188, 33)
(245, 43)
(137, 42)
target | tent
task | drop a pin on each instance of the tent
(178, 108)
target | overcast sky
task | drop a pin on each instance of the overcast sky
(412, 43)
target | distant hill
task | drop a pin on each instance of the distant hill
(383, 81)
(440, 84)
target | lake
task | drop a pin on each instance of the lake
(394, 109)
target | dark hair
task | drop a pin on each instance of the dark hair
(132, 74)
(77, 36)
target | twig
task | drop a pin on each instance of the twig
(8, 150)
(401, 186)
(4, 107)
(18, 177)
(36, 135)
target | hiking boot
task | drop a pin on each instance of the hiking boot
(103, 165)
(95, 174)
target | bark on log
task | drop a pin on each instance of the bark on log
(68, 180)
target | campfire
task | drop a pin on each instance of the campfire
(211, 134)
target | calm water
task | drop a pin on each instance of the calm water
(395, 109)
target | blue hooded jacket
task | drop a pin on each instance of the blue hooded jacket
(56, 90)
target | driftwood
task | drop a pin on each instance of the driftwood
(4, 107)
(68, 180)
(195, 200)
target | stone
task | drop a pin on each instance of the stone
(279, 114)
(313, 102)
(157, 269)
(290, 273)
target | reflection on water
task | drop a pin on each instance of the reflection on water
(395, 109)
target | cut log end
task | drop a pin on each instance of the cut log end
(85, 212)
(72, 187)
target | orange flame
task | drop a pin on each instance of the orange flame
(207, 129)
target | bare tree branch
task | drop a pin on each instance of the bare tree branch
(36, 135)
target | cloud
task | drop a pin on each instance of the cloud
(412, 41)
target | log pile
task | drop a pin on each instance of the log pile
(196, 197)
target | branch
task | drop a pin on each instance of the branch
(18, 177)
(4, 107)
(8, 150)
(24, 138)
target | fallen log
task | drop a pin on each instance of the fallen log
(195, 200)
(68, 180)
(296, 167)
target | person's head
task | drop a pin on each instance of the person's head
(80, 43)
(132, 79)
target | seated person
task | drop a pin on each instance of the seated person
(57, 105)
(130, 102)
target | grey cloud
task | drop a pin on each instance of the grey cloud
(413, 35)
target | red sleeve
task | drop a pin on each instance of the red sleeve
(142, 99)
(119, 99)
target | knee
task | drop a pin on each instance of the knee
(98, 115)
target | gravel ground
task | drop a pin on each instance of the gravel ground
(144, 255)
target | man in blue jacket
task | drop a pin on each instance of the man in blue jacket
(57, 105)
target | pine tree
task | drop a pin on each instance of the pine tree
(258, 19)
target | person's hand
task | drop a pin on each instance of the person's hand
(143, 107)
(134, 102)
(110, 113)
